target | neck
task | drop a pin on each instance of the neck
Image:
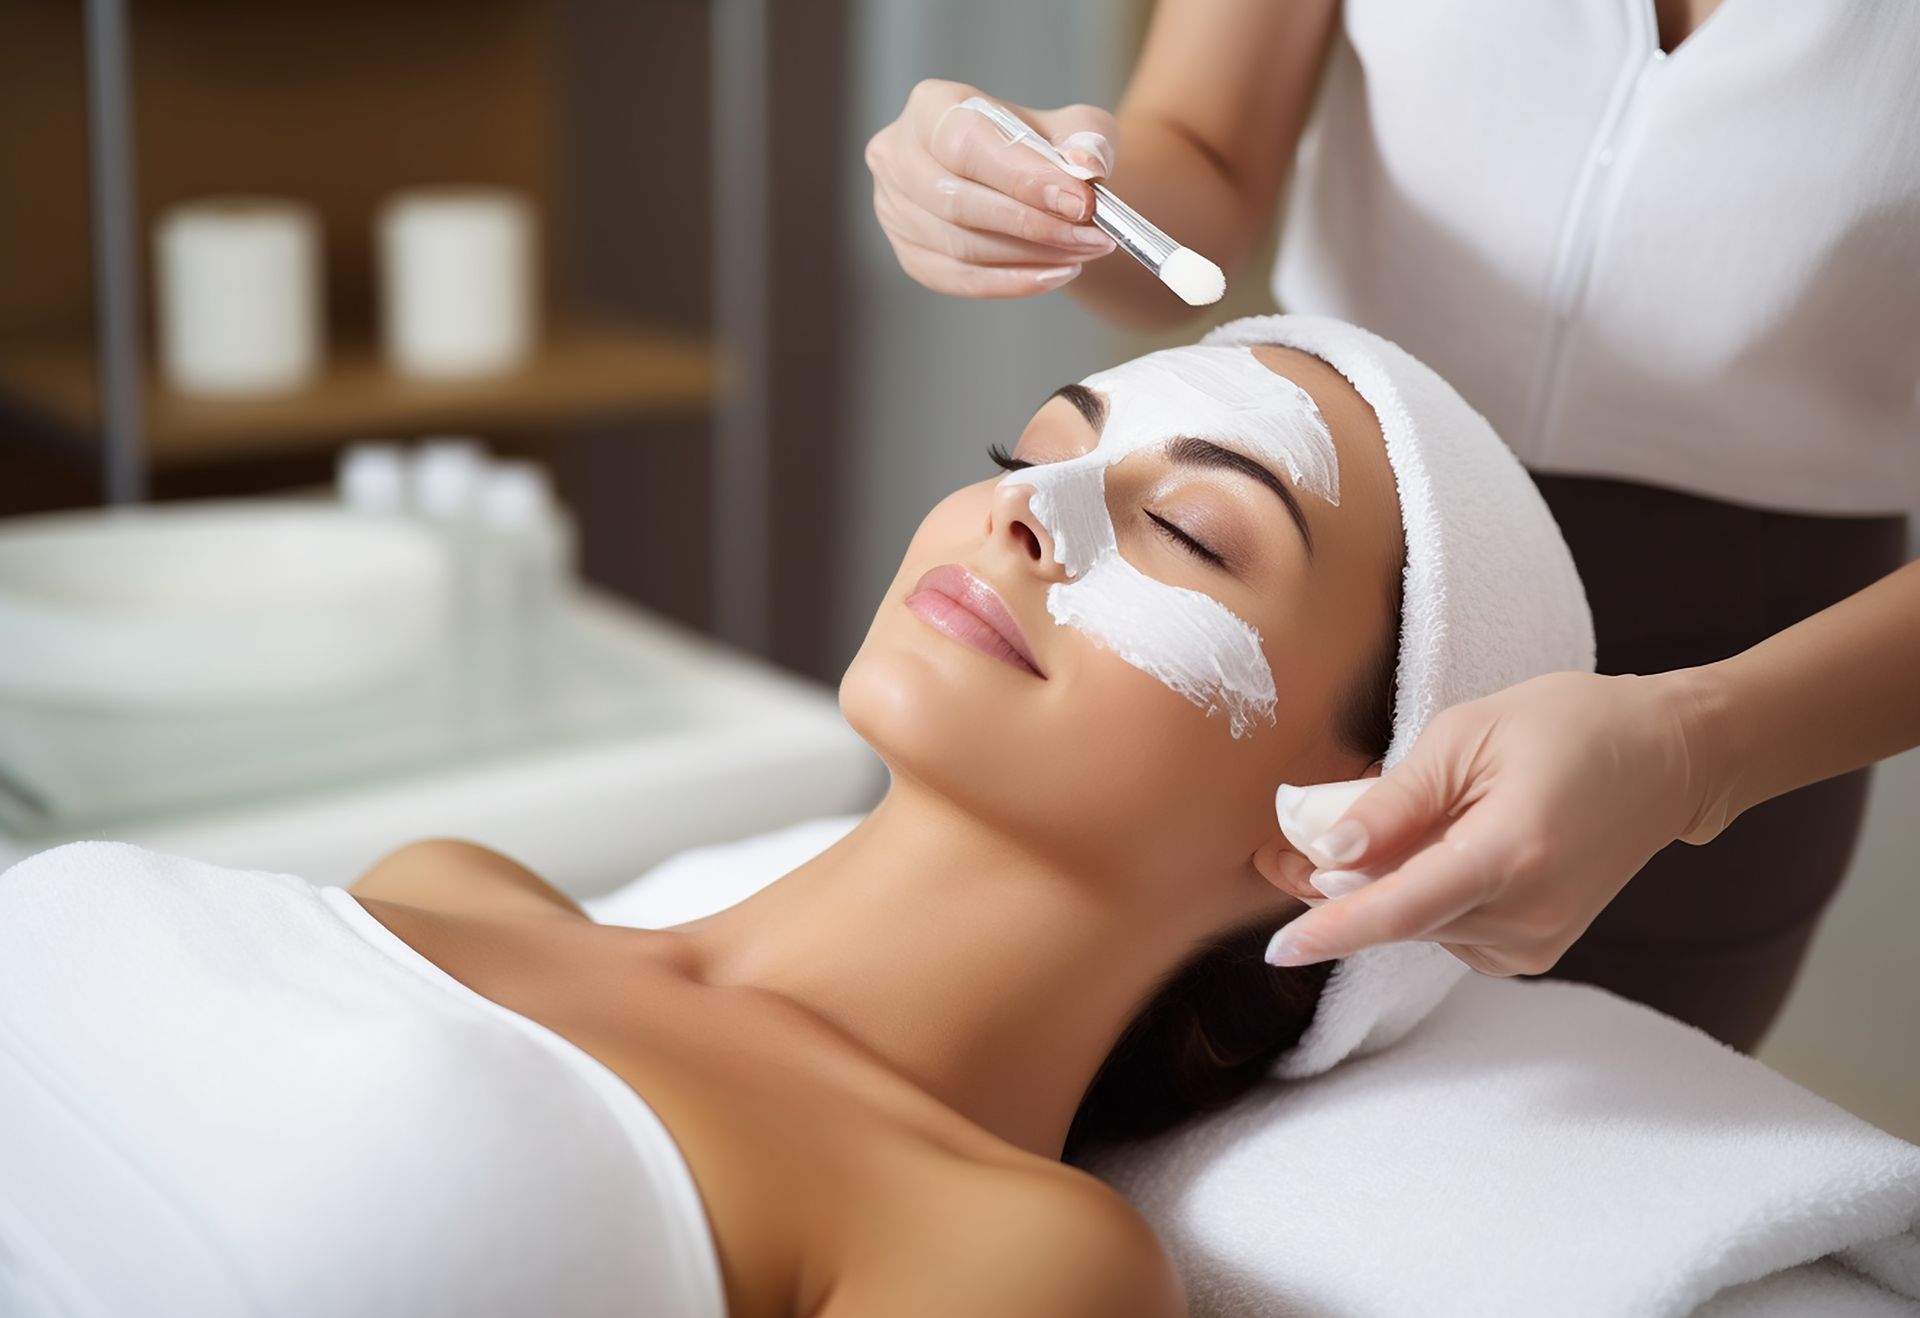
(988, 974)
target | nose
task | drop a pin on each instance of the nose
(1013, 528)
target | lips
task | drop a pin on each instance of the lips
(952, 600)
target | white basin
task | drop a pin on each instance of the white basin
(215, 604)
(716, 745)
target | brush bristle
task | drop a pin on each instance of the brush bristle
(1197, 280)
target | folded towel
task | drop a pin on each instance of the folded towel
(1529, 1147)
(1535, 1146)
(1491, 598)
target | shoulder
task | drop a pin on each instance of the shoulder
(1087, 1250)
(446, 874)
(1025, 1243)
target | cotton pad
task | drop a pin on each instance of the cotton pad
(1307, 812)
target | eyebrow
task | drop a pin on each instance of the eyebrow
(1092, 406)
(1192, 451)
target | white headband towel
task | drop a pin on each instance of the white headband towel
(1491, 598)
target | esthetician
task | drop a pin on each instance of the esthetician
(1671, 249)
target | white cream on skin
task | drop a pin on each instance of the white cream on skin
(1190, 641)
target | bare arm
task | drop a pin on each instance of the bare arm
(1208, 129)
(1832, 693)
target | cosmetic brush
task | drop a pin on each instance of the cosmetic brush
(1192, 276)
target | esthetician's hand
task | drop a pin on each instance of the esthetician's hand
(972, 214)
(1510, 825)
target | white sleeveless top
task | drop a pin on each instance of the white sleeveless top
(1699, 271)
(226, 1092)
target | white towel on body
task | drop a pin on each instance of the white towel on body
(228, 1092)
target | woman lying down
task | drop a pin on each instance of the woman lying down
(446, 1090)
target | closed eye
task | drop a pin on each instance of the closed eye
(1185, 541)
(1005, 460)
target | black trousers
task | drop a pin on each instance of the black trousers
(1715, 935)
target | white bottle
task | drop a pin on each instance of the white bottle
(443, 484)
(443, 491)
(447, 470)
(371, 477)
(528, 567)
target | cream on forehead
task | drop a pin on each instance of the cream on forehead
(1184, 638)
(1221, 393)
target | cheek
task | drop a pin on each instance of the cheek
(1158, 779)
(1148, 753)
(1315, 667)
(1187, 640)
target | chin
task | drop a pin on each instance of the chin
(877, 697)
(942, 716)
(933, 716)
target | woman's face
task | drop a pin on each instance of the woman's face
(1070, 737)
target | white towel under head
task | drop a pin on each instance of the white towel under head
(1490, 598)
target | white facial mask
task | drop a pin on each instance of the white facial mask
(1190, 641)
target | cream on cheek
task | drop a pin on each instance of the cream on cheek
(1186, 639)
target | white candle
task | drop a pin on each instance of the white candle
(237, 280)
(458, 280)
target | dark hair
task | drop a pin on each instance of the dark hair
(1216, 1023)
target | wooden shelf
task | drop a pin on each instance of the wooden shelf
(584, 371)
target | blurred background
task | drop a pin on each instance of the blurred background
(319, 321)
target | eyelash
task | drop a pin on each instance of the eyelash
(1007, 462)
(1185, 541)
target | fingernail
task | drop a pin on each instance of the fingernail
(1059, 274)
(1094, 146)
(1340, 844)
(1062, 202)
(1089, 236)
(1287, 950)
(1338, 883)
